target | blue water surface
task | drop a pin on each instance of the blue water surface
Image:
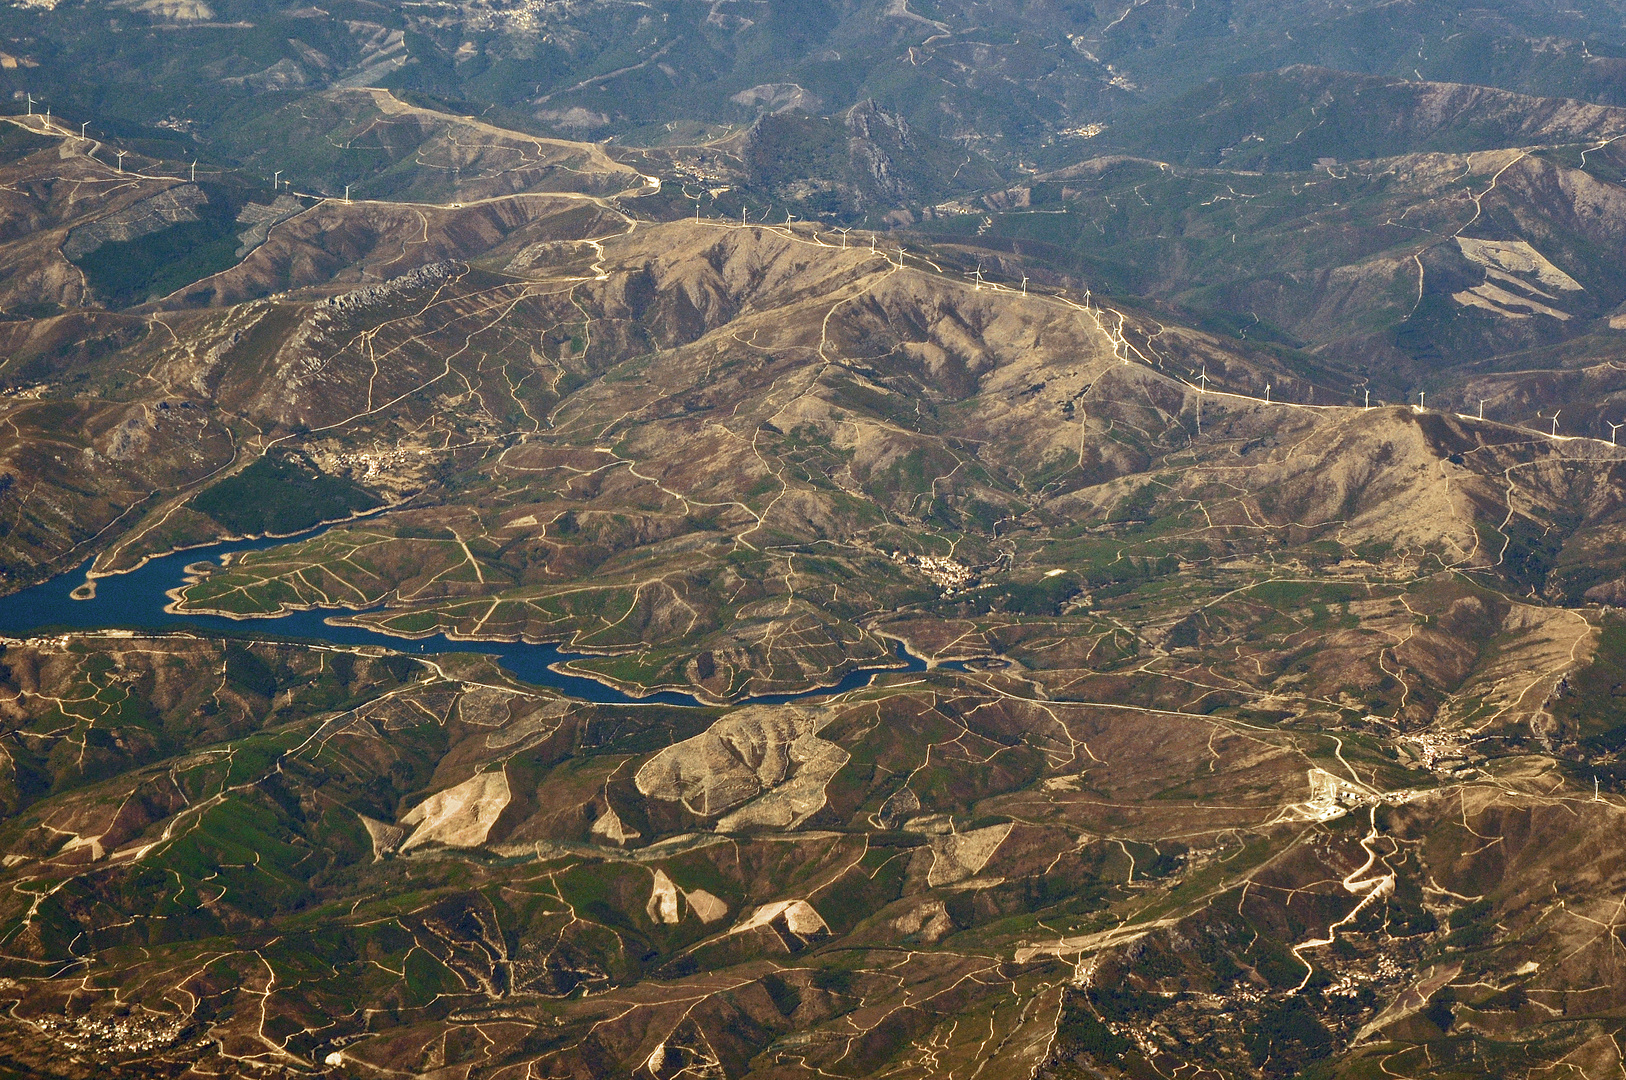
(136, 601)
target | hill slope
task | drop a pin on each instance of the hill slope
(1250, 729)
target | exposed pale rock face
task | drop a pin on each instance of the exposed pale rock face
(1496, 299)
(610, 826)
(385, 837)
(460, 816)
(930, 920)
(957, 856)
(177, 10)
(663, 900)
(741, 756)
(777, 97)
(705, 905)
(817, 761)
(797, 916)
(1517, 257)
(574, 118)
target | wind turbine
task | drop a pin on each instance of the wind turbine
(1612, 429)
(1368, 398)
(276, 180)
(1482, 408)
(1267, 393)
(121, 154)
(1024, 284)
(1554, 419)
(844, 233)
(1200, 392)
(347, 193)
(978, 276)
(30, 104)
(194, 170)
(1419, 401)
(82, 128)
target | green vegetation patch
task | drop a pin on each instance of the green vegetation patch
(1591, 704)
(1288, 1038)
(280, 495)
(17, 142)
(126, 272)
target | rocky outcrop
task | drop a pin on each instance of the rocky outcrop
(370, 296)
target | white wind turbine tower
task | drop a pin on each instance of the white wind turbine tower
(1024, 284)
(1267, 393)
(978, 276)
(1612, 429)
(1200, 392)
(121, 154)
(844, 233)
(82, 128)
(1482, 408)
(30, 104)
(1553, 418)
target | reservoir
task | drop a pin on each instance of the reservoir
(136, 601)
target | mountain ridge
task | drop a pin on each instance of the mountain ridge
(1028, 581)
